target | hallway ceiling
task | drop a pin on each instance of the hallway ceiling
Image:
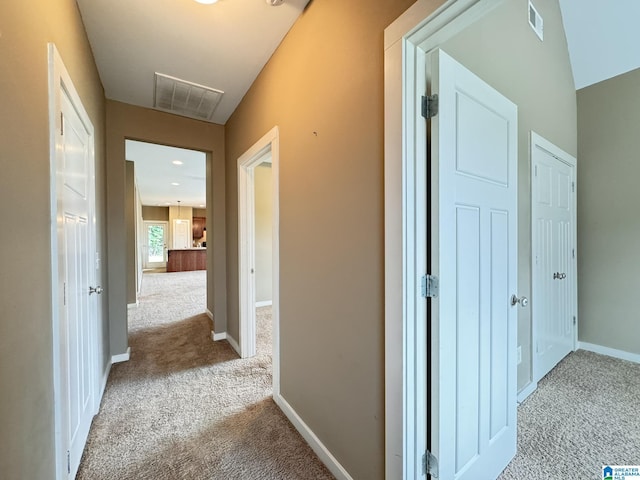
(223, 46)
(603, 38)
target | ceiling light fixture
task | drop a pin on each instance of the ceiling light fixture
(175, 184)
(273, 3)
(178, 162)
(207, 2)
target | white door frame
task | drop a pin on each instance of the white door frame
(59, 80)
(269, 143)
(539, 142)
(407, 40)
(145, 224)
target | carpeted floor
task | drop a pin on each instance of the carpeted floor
(184, 407)
(584, 414)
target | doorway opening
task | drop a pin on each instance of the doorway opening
(166, 203)
(258, 246)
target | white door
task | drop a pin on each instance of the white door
(553, 229)
(155, 251)
(474, 255)
(181, 234)
(77, 316)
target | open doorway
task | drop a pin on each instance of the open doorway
(258, 247)
(166, 213)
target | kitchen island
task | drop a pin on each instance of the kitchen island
(187, 259)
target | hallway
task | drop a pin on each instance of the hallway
(185, 407)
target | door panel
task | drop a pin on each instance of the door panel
(474, 216)
(554, 282)
(155, 245)
(78, 312)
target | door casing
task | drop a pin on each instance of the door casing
(407, 40)
(268, 145)
(146, 263)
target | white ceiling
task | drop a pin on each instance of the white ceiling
(223, 46)
(155, 173)
(603, 38)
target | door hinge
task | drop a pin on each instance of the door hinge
(573, 253)
(64, 293)
(429, 286)
(430, 106)
(61, 123)
(68, 462)
(573, 186)
(574, 320)
(429, 464)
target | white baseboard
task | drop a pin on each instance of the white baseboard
(216, 337)
(209, 314)
(526, 391)
(610, 352)
(314, 442)
(264, 303)
(234, 343)
(103, 386)
(123, 357)
(133, 305)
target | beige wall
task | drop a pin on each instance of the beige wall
(326, 77)
(608, 220)
(159, 214)
(504, 51)
(128, 121)
(26, 384)
(264, 231)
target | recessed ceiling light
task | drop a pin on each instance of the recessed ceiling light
(201, 206)
(175, 184)
(178, 162)
(207, 2)
(168, 203)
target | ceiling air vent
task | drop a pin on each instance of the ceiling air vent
(185, 98)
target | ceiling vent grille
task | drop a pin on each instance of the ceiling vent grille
(185, 98)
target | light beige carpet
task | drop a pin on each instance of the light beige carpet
(186, 408)
(584, 414)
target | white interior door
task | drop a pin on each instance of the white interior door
(181, 234)
(78, 315)
(474, 255)
(553, 229)
(155, 251)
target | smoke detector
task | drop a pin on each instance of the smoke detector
(274, 3)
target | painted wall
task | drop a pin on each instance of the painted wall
(264, 219)
(128, 121)
(159, 214)
(323, 88)
(503, 50)
(26, 382)
(608, 221)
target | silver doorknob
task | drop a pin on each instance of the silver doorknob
(97, 290)
(523, 301)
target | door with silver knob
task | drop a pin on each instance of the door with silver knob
(515, 300)
(553, 229)
(97, 290)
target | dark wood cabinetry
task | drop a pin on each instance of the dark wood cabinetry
(187, 260)
(199, 224)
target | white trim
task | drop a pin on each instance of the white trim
(314, 442)
(270, 142)
(216, 337)
(526, 391)
(233, 342)
(121, 357)
(133, 305)
(609, 352)
(265, 303)
(103, 384)
(145, 247)
(540, 143)
(209, 314)
(406, 41)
